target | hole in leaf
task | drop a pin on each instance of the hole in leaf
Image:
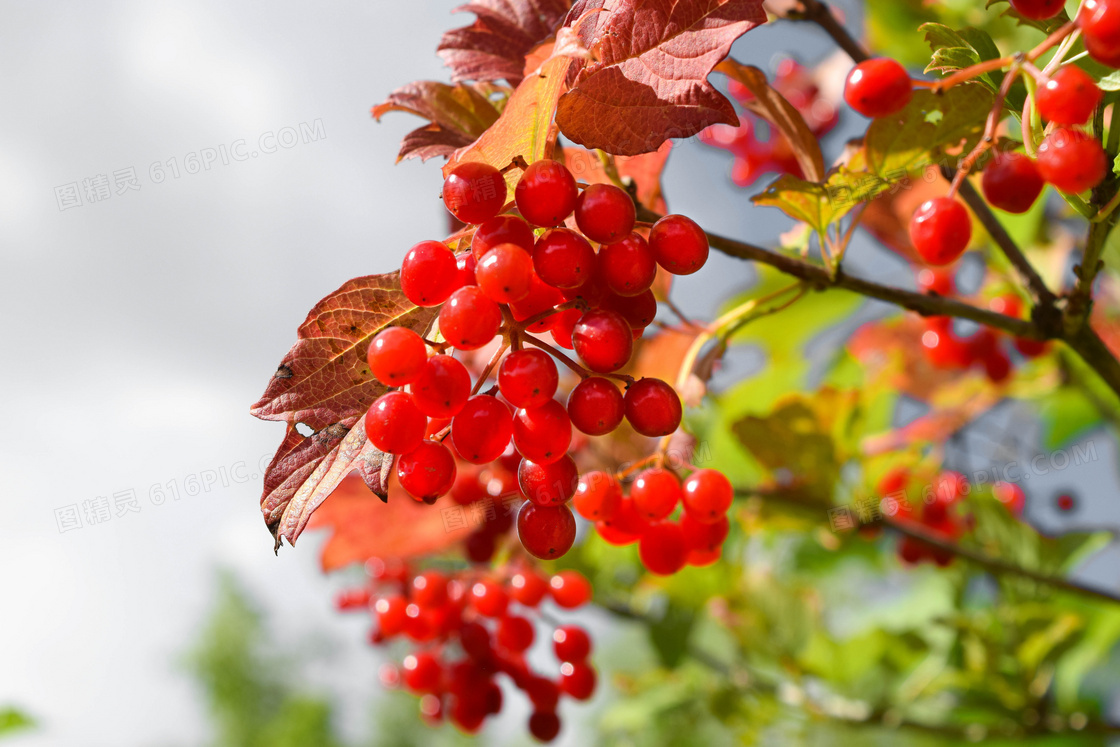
(304, 430)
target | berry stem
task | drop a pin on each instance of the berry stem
(1065, 32)
(521, 326)
(583, 372)
(490, 366)
(989, 136)
(966, 74)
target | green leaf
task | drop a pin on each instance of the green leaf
(821, 205)
(1042, 644)
(669, 634)
(12, 720)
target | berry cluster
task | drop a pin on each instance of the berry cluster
(467, 630)
(588, 285)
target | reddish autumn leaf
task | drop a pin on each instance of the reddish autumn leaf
(324, 378)
(459, 114)
(362, 527)
(650, 82)
(495, 45)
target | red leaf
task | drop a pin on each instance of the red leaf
(324, 378)
(459, 114)
(650, 83)
(495, 45)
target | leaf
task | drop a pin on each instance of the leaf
(669, 634)
(459, 114)
(12, 720)
(650, 81)
(769, 104)
(324, 378)
(504, 32)
(362, 527)
(821, 205)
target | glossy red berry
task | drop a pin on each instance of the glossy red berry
(528, 378)
(570, 589)
(638, 311)
(940, 230)
(546, 194)
(1069, 97)
(678, 244)
(394, 425)
(515, 633)
(878, 87)
(1012, 182)
(603, 340)
(541, 298)
(571, 643)
(397, 356)
(391, 615)
(656, 493)
(563, 324)
(421, 672)
(1038, 9)
(527, 588)
(1066, 502)
(474, 192)
(653, 408)
(577, 680)
(542, 434)
(505, 273)
(605, 213)
(429, 589)
(502, 229)
(428, 471)
(707, 494)
(429, 274)
(663, 548)
(1072, 160)
(596, 406)
(627, 266)
(941, 281)
(546, 532)
(548, 484)
(469, 319)
(442, 388)
(544, 725)
(705, 537)
(482, 429)
(1011, 496)
(1100, 28)
(625, 526)
(489, 598)
(563, 258)
(598, 496)
(465, 263)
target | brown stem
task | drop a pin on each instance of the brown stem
(819, 13)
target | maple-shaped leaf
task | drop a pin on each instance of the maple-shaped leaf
(650, 80)
(458, 115)
(495, 45)
(324, 379)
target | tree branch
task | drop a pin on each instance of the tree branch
(819, 13)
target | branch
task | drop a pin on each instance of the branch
(820, 14)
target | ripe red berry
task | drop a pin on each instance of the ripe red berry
(878, 87)
(546, 532)
(653, 408)
(428, 471)
(941, 281)
(442, 388)
(482, 429)
(663, 548)
(596, 406)
(1100, 28)
(544, 725)
(1066, 502)
(704, 537)
(480, 546)
(1072, 160)
(391, 615)
(1010, 495)
(489, 598)
(421, 672)
(603, 340)
(598, 496)
(1012, 182)
(625, 526)
(515, 633)
(571, 644)
(394, 425)
(656, 493)
(541, 298)
(429, 274)
(577, 680)
(429, 589)
(638, 311)
(942, 346)
(396, 356)
(505, 273)
(1038, 9)
(570, 589)
(1069, 97)
(707, 494)
(469, 319)
(563, 324)
(940, 230)
(465, 263)
(542, 434)
(563, 258)
(627, 266)
(548, 484)
(502, 229)
(528, 378)
(474, 191)
(546, 193)
(527, 588)
(605, 213)
(678, 244)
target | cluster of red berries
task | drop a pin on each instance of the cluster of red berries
(468, 629)
(1099, 21)
(590, 289)
(754, 157)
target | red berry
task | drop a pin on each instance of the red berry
(505, 273)
(394, 425)
(656, 493)
(542, 434)
(598, 496)
(878, 87)
(465, 264)
(707, 494)
(1038, 9)
(627, 266)
(489, 598)
(997, 365)
(562, 326)
(469, 319)
(570, 589)
(563, 258)
(527, 588)
(663, 549)
(596, 406)
(546, 193)
(701, 558)
(678, 244)
(577, 680)
(941, 281)
(546, 532)
(1066, 502)
(1071, 160)
(397, 356)
(603, 340)
(940, 230)
(704, 537)
(429, 274)
(482, 429)
(442, 388)
(429, 589)
(1100, 28)
(502, 229)
(1012, 182)
(391, 615)
(428, 471)
(638, 311)
(571, 644)
(942, 347)
(474, 192)
(605, 213)
(653, 407)
(1010, 495)
(480, 546)
(544, 725)
(625, 526)
(515, 633)
(548, 484)
(528, 378)
(1069, 97)
(541, 298)
(592, 292)
(421, 672)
